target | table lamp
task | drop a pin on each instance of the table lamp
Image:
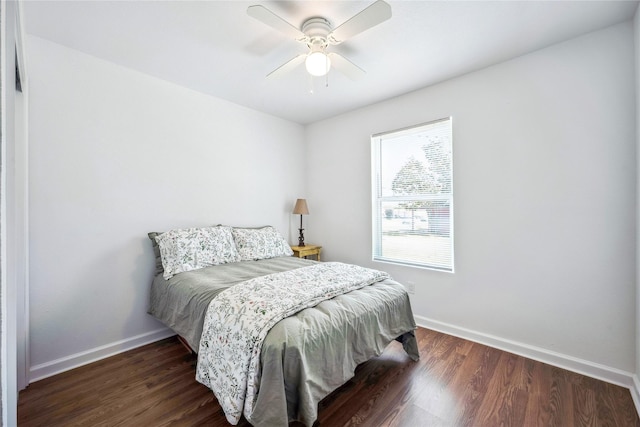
(301, 209)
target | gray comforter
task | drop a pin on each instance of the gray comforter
(306, 356)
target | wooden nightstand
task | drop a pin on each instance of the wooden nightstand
(306, 250)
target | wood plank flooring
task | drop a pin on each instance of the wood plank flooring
(455, 383)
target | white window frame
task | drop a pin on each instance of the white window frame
(378, 199)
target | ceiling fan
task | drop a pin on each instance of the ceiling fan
(318, 35)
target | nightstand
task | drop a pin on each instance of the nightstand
(306, 250)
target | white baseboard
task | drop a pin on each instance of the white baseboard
(584, 367)
(570, 363)
(635, 393)
(44, 370)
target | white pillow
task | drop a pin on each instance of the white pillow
(192, 248)
(260, 243)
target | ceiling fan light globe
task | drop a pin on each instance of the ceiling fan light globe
(318, 64)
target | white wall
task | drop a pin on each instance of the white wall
(116, 154)
(544, 181)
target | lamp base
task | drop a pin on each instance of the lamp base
(301, 237)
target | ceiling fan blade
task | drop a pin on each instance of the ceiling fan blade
(287, 66)
(346, 67)
(269, 18)
(373, 15)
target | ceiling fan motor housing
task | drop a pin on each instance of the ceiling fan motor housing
(316, 29)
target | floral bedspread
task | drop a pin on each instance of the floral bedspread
(239, 318)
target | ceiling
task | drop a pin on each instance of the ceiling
(215, 48)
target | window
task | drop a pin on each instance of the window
(412, 187)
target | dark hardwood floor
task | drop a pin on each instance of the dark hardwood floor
(455, 383)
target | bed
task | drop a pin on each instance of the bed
(303, 357)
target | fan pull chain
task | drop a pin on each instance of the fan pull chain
(312, 86)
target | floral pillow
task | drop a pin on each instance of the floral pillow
(192, 248)
(260, 243)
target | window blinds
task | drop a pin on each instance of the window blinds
(413, 195)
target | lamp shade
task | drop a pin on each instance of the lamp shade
(301, 207)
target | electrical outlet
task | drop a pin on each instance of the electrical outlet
(410, 287)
